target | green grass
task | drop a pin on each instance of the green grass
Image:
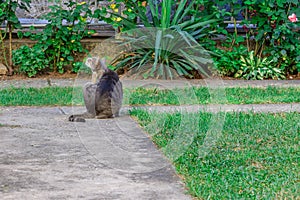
(10, 126)
(256, 156)
(141, 96)
(36, 96)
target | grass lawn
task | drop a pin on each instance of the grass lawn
(256, 156)
(140, 96)
(36, 97)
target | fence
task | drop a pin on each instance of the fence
(38, 8)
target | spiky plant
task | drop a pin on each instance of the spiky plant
(166, 45)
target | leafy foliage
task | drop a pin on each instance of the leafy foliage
(239, 63)
(257, 68)
(163, 53)
(60, 40)
(275, 33)
(167, 44)
(8, 10)
(31, 60)
(269, 33)
(228, 62)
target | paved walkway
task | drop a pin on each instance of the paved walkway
(258, 108)
(43, 156)
(156, 83)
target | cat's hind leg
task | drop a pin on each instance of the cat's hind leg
(104, 114)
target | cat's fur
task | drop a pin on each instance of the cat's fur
(103, 97)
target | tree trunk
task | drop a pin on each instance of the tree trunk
(3, 48)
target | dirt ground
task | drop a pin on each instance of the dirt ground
(69, 75)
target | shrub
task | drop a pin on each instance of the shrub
(276, 34)
(8, 17)
(239, 63)
(228, 62)
(163, 53)
(268, 33)
(31, 60)
(257, 68)
(167, 44)
(60, 40)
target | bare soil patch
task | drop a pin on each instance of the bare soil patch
(71, 75)
(44, 76)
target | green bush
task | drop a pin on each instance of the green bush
(256, 68)
(192, 24)
(239, 63)
(59, 42)
(228, 62)
(31, 60)
(275, 35)
(167, 46)
(275, 32)
(8, 17)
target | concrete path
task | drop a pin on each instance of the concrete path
(258, 108)
(156, 83)
(43, 156)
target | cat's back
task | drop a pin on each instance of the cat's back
(108, 83)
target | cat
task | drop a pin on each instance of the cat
(103, 96)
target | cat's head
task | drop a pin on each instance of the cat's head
(96, 64)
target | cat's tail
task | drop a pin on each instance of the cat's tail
(73, 118)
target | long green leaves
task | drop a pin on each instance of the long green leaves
(167, 43)
(180, 12)
(166, 14)
(157, 46)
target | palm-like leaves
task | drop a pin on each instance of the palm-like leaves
(168, 41)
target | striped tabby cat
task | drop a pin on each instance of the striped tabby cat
(103, 96)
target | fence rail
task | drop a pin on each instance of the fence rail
(38, 8)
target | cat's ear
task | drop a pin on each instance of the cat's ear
(96, 60)
(102, 64)
(89, 62)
